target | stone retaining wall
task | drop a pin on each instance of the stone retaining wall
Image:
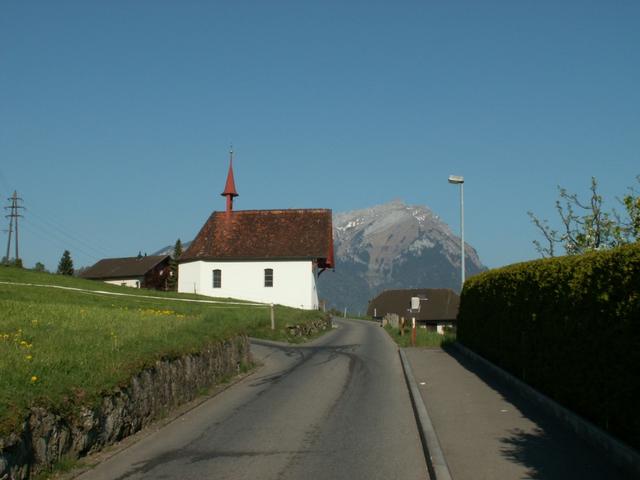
(309, 329)
(47, 437)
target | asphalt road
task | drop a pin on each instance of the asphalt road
(336, 408)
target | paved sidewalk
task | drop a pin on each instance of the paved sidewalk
(488, 431)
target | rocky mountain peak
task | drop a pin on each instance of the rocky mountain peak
(393, 245)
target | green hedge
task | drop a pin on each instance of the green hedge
(570, 327)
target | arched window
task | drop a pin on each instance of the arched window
(217, 278)
(268, 277)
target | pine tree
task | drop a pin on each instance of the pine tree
(177, 250)
(173, 265)
(65, 267)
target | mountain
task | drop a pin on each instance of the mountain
(389, 246)
(168, 250)
(392, 246)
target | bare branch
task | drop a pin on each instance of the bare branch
(587, 225)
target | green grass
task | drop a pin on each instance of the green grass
(62, 348)
(424, 337)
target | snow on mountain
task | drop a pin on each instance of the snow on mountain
(392, 246)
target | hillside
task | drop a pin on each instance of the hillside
(61, 335)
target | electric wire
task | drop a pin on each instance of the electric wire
(52, 223)
(52, 237)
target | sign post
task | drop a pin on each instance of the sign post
(415, 308)
(413, 331)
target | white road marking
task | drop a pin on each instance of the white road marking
(102, 292)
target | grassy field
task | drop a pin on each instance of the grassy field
(424, 338)
(60, 348)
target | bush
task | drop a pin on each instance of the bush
(569, 326)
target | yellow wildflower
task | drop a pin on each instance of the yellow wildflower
(34, 379)
(29, 357)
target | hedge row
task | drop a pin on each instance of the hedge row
(568, 326)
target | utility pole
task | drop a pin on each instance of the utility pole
(13, 217)
(6, 258)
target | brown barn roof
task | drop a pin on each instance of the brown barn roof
(442, 303)
(123, 267)
(264, 234)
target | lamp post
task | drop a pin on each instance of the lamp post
(459, 180)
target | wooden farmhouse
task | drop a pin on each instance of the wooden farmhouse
(139, 272)
(267, 256)
(437, 307)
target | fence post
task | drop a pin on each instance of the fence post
(273, 318)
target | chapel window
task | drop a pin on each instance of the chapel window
(268, 277)
(217, 278)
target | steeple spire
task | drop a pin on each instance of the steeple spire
(230, 186)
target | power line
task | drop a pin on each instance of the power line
(13, 217)
(60, 225)
(49, 224)
(53, 237)
(72, 236)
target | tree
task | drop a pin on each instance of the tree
(587, 226)
(173, 266)
(16, 262)
(65, 267)
(39, 267)
(630, 227)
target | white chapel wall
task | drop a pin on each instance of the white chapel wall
(294, 283)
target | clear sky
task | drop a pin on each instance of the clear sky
(116, 116)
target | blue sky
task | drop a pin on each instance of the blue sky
(116, 117)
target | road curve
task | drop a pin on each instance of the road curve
(336, 408)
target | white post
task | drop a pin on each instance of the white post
(345, 312)
(413, 331)
(462, 231)
(273, 318)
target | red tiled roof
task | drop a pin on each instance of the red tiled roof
(265, 234)
(128, 267)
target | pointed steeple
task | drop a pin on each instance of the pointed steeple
(230, 186)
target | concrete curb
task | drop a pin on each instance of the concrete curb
(436, 463)
(619, 453)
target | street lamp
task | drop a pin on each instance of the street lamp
(459, 180)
